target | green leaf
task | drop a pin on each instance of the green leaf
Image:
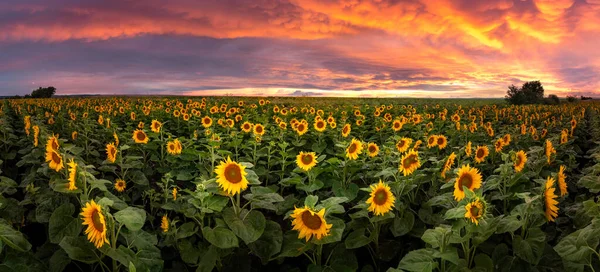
(508, 224)
(484, 262)
(189, 254)
(437, 237)
(454, 213)
(79, 249)
(99, 184)
(336, 232)
(269, 244)
(249, 226)
(357, 239)
(450, 254)
(186, 230)
(208, 261)
(132, 267)
(311, 201)
(403, 225)
(420, 260)
(220, 237)
(292, 246)
(133, 218)
(59, 261)
(13, 238)
(530, 249)
(139, 239)
(62, 223)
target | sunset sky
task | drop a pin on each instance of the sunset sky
(416, 48)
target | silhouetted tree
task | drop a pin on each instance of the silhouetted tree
(552, 100)
(43, 92)
(531, 92)
(586, 97)
(571, 98)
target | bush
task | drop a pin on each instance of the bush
(552, 100)
(531, 92)
(571, 99)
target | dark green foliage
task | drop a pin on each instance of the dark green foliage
(531, 92)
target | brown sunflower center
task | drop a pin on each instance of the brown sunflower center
(320, 124)
(206, 120)
(301, 127)
(480, 153)
(518, 160)
(312, 221)
(475, 210)
(409, 161)
(307, 159)
(233, 173)
(431, 140)
(401, 144)
(246, 126)
(396, 125)
(96, 221)
(372, 149)
(352, 148)
(380, 197)
(140, 136)
(55, 158)
(440, 141)
(113, 151)
(465, 180)
(259, 129)
(171, 146)
(345, 130)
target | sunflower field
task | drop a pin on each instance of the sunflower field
(298, 184)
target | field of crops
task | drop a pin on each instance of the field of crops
(298, 184)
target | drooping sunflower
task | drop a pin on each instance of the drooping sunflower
(506, 139)
(231, 176)
(498, 145)
(480, 153)
(409, 162)
(381, 200)
(310, 223)
(442, 142)
(120, 185)
(52, 143)
(246, 127)
(174, 193)
(520, 160)
(259, 130)
(448, 164)
(373, 149)
(354, 149)
(432, 141)
(55, 160)
(550, 201)
(564, 136)
(403, 144)
(306, 160)
(562, 181)
(116, 138)
(468, 177)
(468, 149)
(74, 135)
(72, 175)
(111, 152)
(475, 210)
(164, 223)
(96, 224)
(36, 134)
(417, 145)
(320, 125)
(346, 130)
(140, 137)
(549, 150)
(155, 126)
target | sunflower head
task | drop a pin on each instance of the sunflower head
(95, 222)
(562, 180)
(231, 176)
(403, 144)
(72, 175)
(120, 185)
(550, 202)
(475, 210)
(373, 149)
(164, 223)
(310, 223)
(346, 130)
(306, 160)
(246, 127)
(155, 126)
(140, 137)
(52, 143)
(111, 152)
(354, 149)
(467, 177)
(520, 160)
(381, 199)
(468, 149)
(441, 141)
(55, 160)
(320, 125)
(480, 153)
(432, 141)
(409, 163)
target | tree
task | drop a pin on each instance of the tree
(43, 92)
(552, 100)
(571, 98)
(531, 92)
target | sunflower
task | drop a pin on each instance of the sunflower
(308, 223)
(417, 145)
(96, 224)
(140, 137)
(550, 201)
(382, 199)
(120, 185)
(432, 141)
(320, 125)
(52, 143)
(475, 210)
(164, 223)
(206, 122)
(246, 127)
(116, 138)
(174, 193)
(468, 149)
(480, 153)
(74, 135)
(259, 130)
(72, 175)
(354, 149)
(562, 181)
(373, 149)
(397, 125)
(231, 176)
(301, 128)
(468, 177)
(155, 126)
(498, 145)
(36, 134)
(346, 130)
(549, 149)
(448, 164)
(442, 142)
(564, 136)
(55, 160)
(409, 163)
(520, 160)
(171, 148)
(111, 152)
(403, 144)
(306, 160)
(506, 139)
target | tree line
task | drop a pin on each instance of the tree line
(532, 92)
(46, 92)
